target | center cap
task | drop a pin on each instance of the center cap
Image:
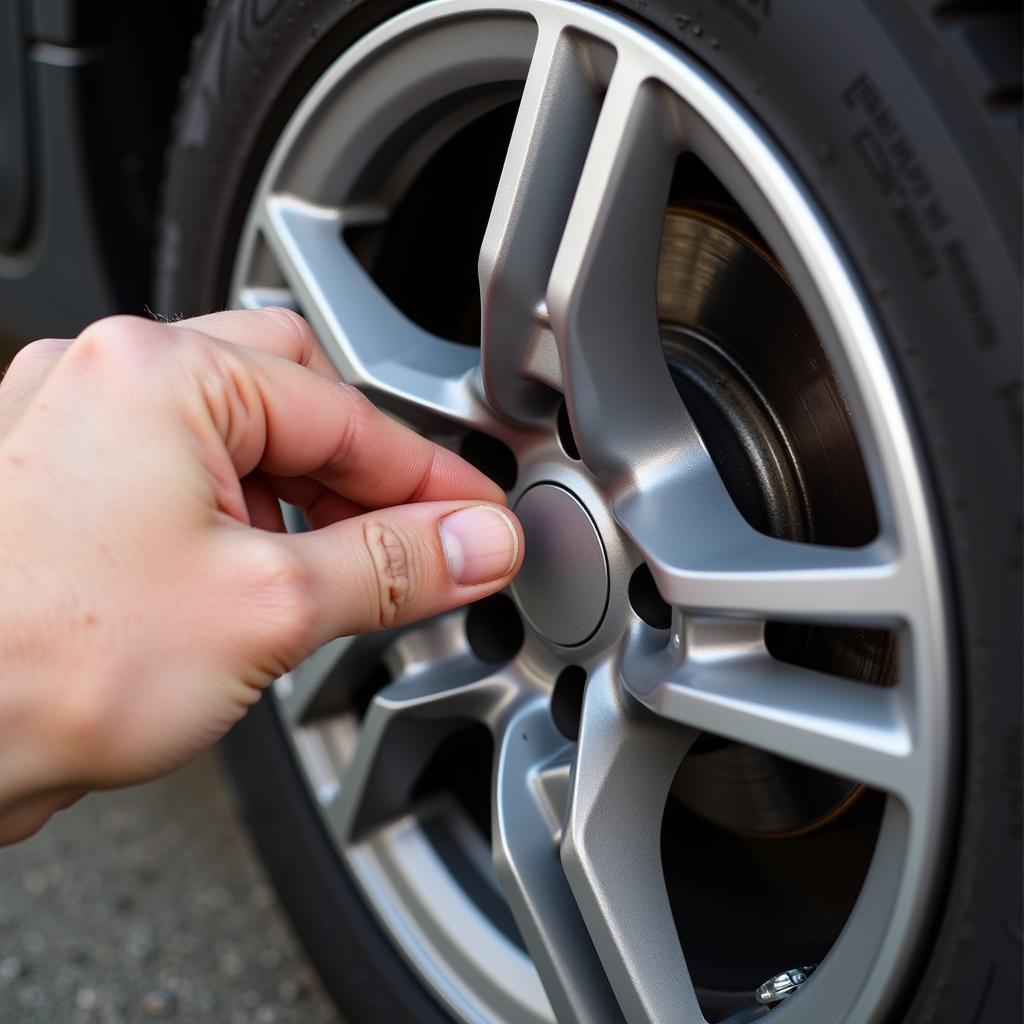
(562, 587)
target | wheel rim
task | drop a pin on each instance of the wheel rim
(568, 266)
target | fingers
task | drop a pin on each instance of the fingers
(271, 413)
(320, 505)
(262, 504)
(395, 463)
(27, 371)
(371, 572)
(387, 568)
(291, 337)
(290, 422)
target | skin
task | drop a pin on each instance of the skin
(148, 593)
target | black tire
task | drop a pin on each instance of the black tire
(930, 94)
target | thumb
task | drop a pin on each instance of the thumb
(409, 562)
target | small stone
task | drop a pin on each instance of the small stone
(31, 996)
(140, 943)
(36, 882)
(116, 820)
(230, 962)
(262, 896)
(105, 953)
(12, 968)
(289, 990)
(266, 1015)
(87, 999)
(214, 898)
(34, 943)
(182, 943)
(270, 958)
(204, 1000)
(184, 989)
(124, 902)
(159, 1003)
(79, 955)
(250, 999)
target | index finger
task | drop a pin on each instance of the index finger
(325, 429)
(276, 330)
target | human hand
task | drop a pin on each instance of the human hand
(147, 593)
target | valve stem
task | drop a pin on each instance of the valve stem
(782, 986)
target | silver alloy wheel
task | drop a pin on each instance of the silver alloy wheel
(567, 271)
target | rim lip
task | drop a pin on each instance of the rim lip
(802, 240)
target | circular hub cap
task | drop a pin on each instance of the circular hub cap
(562, 588)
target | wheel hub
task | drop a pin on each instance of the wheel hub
(562, 589)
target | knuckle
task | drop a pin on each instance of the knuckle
(228, 390)
(290, 320)
(353, 423)
(213, 366)
(34, 357)
(302, 343)
(121, 338)
(393, 555)
(356, 398)
(283, 590)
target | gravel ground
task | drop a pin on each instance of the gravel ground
(148, 904)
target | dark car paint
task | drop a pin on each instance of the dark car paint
(87, 93)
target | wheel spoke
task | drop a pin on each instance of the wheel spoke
(526, 825)
(705, 557)
(297, 691)
(601, 296)
(611, 851)
(260, 298)
(737, 690)
(372, 343)
(405, 723)
(556, 118)
(328, 680)
(629, 422)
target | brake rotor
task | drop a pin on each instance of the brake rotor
(751, 371)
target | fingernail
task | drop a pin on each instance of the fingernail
(480, 544)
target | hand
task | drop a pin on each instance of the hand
(147, 592)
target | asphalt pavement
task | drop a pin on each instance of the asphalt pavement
(146, 905)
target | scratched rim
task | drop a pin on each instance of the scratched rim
(506, 930)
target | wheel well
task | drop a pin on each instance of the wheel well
(148, 48)
(90, 91)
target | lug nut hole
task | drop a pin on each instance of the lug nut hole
(492, 457)
(494, 629)
(646, 601)
(567, 701)
(565, 438)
